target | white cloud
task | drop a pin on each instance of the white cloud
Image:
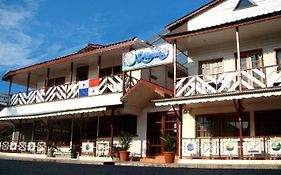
(16, 45)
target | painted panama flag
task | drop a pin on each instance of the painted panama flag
(89, 87)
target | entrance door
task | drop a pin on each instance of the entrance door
(159, 124)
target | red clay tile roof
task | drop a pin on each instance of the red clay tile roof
(70, 57)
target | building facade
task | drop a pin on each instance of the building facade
(230, 99)
(224, 104)
(84, 100)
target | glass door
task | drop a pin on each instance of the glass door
(158, 124)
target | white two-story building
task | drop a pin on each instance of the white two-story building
(225, 105)
(230, 100)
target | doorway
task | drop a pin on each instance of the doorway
(158, 124)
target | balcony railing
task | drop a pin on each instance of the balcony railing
(110, 84)
(265, 77)
(253, 147)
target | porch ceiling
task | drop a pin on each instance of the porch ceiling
(225, 35)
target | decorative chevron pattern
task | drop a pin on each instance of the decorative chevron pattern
(112, 84)
(229, 81)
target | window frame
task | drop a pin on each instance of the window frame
(216, 60)
(248, 53)
(218, 116)
(245, 7)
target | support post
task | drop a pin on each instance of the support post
(175, 65)
(98, 127)
(71, 133)
(20, 129)
(71, 72)
(238, 59)
(111, 131)
(99, 66)
(180, 130)
(33, 131)
(9, 93)
(47, 79)
(238, 107)
(27, 83)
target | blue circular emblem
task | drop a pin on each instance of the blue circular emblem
(190, 147)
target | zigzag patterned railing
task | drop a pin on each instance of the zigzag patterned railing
(110, 84)
(259, 78)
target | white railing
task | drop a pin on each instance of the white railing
(110, 84)
(265, 77)
(258, 147)
(39, 147)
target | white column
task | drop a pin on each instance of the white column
(175, 65)
(238, 58)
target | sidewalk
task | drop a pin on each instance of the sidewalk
(183, 163)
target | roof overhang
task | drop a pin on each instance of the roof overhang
(61, 108)
(230, 25)
(222, 97)
(144, 92)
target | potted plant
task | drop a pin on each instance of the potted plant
(169, 147)
(125, 140)
(73, 152)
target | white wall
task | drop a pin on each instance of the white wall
(227, 51)
(224, 12)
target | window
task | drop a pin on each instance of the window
(221, 125)
(110, 71)
(82, 73)
(251, 59)
(211, 67)
(56, 81)
(268, 123)
(244, 4)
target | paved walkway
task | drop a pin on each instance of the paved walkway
(14, 162)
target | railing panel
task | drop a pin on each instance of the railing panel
(209, 147)
(229, 147)
(253, 147)
(191, 147)
(258, 78)
(274, 146)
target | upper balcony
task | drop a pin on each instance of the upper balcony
(228, 82)
(91, 87)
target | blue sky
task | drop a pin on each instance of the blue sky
(32, 31)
